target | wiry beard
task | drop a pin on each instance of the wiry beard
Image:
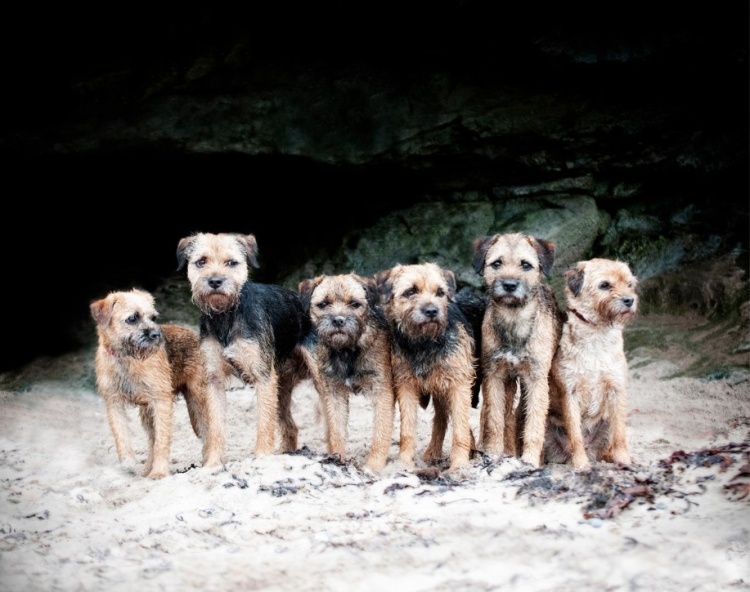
(617, 314)
(516, 299)
(339, 337)
(215, 302)
(420, 329)
(141, 347)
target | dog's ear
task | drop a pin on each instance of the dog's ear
(546, 251)
(101, 311)
(305, 289)
(183, 251)
(250, 245)
(480, 246)
(371, 290)
(384, 285)
(450, 280)
(574, 280)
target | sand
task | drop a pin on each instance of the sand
(71, 518)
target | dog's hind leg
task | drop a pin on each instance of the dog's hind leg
(292, 374)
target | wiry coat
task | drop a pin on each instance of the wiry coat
(588, 405)
(348, 352)
(519, 335)
(142, 363)
(251, 329)
(432, 357)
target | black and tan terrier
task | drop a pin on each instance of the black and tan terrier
(520, 332)
(432, 355)
(588, 405)
(249, 329)
(349, 352)
(140, 362)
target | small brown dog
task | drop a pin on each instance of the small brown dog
(520, 332)
(248, 329)
(432, 357)
(349, 351)
(588, 405)
(139, 362)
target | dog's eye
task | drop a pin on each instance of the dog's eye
(526, 266)
(200, 262)
(409, 293)
(132, 319)
(496, 264)
(232, 263)
(323, 305)
(440, 292)
(605, 286)
(154, 318)
(355, 305)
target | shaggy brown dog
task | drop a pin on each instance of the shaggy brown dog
(432, 357)
(248, 328)
(349, 351)
(139, 362)
(588, 407)
(520, 331)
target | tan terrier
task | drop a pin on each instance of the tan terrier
(139, 362)
(520, 332)
(348, 352)
(588, 406)
(432, 357)
(248, 329)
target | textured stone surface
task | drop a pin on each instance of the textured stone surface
(352, 138)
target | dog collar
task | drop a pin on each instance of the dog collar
(580, 316)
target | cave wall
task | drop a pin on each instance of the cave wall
(351, 138)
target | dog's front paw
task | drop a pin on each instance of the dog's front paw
(580, 460)
(619, 456)
(407, 460)
(531, 458)
(157, 471)
(373, 466)
(432, 457)
(212, 462)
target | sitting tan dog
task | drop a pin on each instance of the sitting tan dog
(588, 390)
(139, 362)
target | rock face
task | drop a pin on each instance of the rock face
(350, 139)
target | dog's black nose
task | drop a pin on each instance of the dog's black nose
(431, 311)
(628, 301)
(215, 282)
(510, 285)
(338, 321)
(153, 334)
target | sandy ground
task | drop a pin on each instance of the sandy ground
(72, 519)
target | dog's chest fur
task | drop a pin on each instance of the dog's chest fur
(510, 334)
(133, 379)
(349, 366)
(513, 338)
(594, 367)
(425, 356)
